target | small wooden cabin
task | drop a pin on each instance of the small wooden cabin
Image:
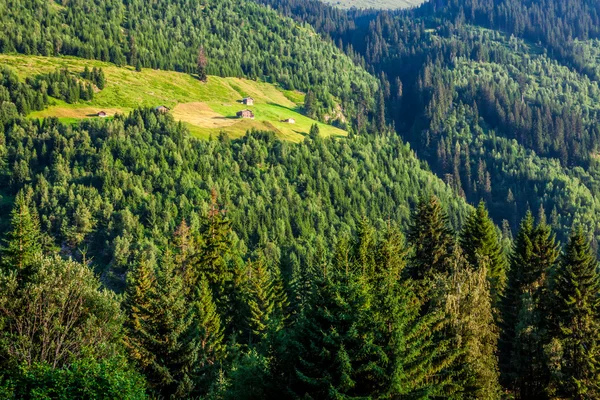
(290, 120)
(102, 114)
(249, 101)
(162, 109)
(245, 114)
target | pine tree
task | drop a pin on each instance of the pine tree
(314, 132)
(261, 302)
(210, 333)
(161, 325)
(431, 238)
(466, 302)
(23, 241)
(138, 303)
(521, 260)
(336, 342)
(534, 254)
(100, 80)
(214, 249)
(310, 104)
(362, 333)
(380, 113)
(575, 322)
(481, 243)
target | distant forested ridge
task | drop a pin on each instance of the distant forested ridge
(507, 115)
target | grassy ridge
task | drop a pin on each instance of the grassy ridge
(207, 108)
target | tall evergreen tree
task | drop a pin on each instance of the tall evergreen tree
(466, 301)
(481, 243)
(520, 260)
(214, 249)
(431, 238)
(162, 326)
(23, 242)
(138, 304)
(267, 302)
(530, 375)
(575, 322)
(211, 338)
(336, 342)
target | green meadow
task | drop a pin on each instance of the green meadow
(207, 108)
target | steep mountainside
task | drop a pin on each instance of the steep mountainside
(500, 97)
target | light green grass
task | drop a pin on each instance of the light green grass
(207, 108)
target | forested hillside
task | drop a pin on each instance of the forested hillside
(239, 38)
(139, 261)
(507, 115)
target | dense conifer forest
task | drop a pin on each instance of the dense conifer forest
(446, 248)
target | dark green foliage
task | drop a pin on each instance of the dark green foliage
(534, 254)
(480, 242)
(17, 97)
(240, 38)
(285, 287)
(490, 124)
(162, 333)
(84, 379)
(294, 195)
(211, 261)
(66, 86)
(210, 334)
(23, 242)
(362, 334)
(432, 239)
(574, 322)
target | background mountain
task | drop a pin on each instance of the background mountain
(499, 97)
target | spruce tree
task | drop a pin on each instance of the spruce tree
(466, 302)
(431, 238)
(520, 260)
(166, 335)
(138, 305)
(23, 241)
(534, 253)
(211, 338)
(211, 260)
(265, 311)
(575, 322)
(362, 333)
(481, 243)
(336, 342)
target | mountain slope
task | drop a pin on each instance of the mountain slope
(508, 114)
(208, 108)
(240, 38)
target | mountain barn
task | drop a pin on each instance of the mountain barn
(245, 114)
(162, 109)
(249, 101)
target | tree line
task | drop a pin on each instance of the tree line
(438, 314)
